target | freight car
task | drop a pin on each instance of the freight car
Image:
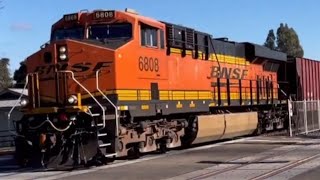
(114, 84)
(304, 79)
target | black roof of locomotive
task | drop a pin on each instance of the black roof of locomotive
(255, 50)
(239, 49)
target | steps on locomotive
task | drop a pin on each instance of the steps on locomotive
(102, 142)
(105, 144)
(106, 138)
(96, 112)
(108, 118)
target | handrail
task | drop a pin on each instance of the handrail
(114, 106)
(282, 91)
(102, 108)
(15, 105)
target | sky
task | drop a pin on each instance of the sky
(25, 24)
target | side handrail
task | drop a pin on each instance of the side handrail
(114, 106)
(16, 104)
(102, 108)
(282, 91)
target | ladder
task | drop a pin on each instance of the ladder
(103, 138)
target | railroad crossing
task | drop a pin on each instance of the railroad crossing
(275, 157)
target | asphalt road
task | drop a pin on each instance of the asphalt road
(248, 158)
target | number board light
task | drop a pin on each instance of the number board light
(71, 17)
(103, 15)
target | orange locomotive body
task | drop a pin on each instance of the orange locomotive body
(119, 84)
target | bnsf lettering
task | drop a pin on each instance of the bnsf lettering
(101, 65)
(40, 69)
(77, 68)
(81, 67)
(228, 73)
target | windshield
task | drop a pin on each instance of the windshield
(71, 33)
(110, 31)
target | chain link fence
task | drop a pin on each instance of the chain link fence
(304, 117)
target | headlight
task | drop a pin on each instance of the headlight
(63, 56)
(62, 49)
(72, 99)
(62, 52)
(24, 102)
(73, 118)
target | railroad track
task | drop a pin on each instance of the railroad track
(283, 132)
(241, 164)
(265, 157)
(286, 167)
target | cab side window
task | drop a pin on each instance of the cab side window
(161, 39)
(149, 36)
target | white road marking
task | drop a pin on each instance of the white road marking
(31, 175)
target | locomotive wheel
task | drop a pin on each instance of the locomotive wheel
(133, 152)
(21, 161)
(23, 152)
(163, 148)
(260, 128)
(97, 160)
(191, 131)
(109, 160)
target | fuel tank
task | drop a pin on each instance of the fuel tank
(224, 126)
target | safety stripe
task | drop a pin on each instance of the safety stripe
(43, 110)
(168, 95)
(213, 57)
(179, 51)
(179, 105)
(192, 104)
(145, 107)
(229, 59)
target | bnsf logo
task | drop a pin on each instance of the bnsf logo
(77, 68)
(228, 73)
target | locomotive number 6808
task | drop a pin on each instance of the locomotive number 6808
(148, 64)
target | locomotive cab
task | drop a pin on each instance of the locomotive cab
(104, 41)
(64, 89)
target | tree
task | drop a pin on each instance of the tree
(270, 41)
(20, 75)
(287, 41)
(5, 79)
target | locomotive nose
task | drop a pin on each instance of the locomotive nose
(83, 58)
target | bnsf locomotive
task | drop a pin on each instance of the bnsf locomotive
(114, 84)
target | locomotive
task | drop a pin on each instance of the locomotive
(113, 84)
